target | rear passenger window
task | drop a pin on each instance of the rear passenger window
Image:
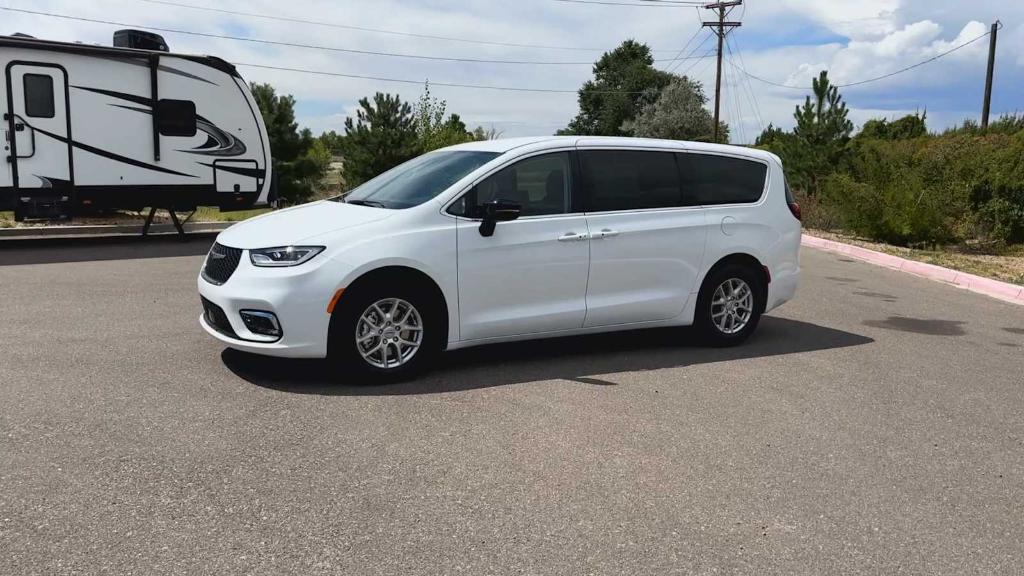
(709, 180)
(629, 180)
(39, 96)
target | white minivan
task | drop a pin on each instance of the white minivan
(511, 240)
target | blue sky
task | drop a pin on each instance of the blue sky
(785, 41)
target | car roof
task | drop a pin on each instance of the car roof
(538, 143)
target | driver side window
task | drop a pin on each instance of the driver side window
(540, 185)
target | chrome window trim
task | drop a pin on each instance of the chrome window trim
(619, 148)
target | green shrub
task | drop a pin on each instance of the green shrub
(817, 214)
(885, 194)
(934, 189)
(997, 196)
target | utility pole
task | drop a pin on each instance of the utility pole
(720, 28)
(987, 107)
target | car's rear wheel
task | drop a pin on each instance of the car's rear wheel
(384, 334)
(729, 305)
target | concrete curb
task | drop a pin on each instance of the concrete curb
(31, 232)
(994, 288)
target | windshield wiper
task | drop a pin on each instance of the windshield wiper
(371, 203)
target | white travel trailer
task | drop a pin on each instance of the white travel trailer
(91, 127)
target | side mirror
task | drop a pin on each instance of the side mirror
(498, 211)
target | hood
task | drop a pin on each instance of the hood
(291, 226)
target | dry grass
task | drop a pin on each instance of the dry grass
(1006, 265)
(209, 214)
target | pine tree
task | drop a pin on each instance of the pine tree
(297, 169)
(382, 136)
(821, 134)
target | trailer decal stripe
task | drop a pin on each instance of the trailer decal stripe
(144, 100)
(163, 68)
(111, 155)
(225, 144)
(251, 172)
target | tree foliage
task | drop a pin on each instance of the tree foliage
(910, 126)
(622, 85)
(934, 189)
(677, 112)
(382, 136)
(819, 141)
(1007, 124)
(333, 142)
(896, 183)
(771, 136)
(434, 128)
(297, 171)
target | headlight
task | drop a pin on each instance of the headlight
(283, 255)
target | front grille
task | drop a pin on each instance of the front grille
(221, 263)
(217, 319)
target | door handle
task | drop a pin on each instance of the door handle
(607, 233)
(572, 237)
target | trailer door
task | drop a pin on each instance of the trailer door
(38, 123)
(7, 166)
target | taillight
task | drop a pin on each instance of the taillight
(795, 209)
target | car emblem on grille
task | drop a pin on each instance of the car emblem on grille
(217, 255)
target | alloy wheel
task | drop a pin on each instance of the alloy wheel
(732, 306)
(389, 333)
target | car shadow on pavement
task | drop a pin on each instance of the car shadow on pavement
(16, 252)
(580, 359)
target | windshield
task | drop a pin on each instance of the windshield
(418, 180)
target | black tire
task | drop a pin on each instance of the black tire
(708, 330)
(349, 366)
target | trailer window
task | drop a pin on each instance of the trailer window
(38, 96)
(176, 117)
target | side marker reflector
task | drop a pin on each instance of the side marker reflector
(334, 301)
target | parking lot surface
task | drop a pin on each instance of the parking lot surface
(874, 425)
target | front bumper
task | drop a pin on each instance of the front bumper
(298, 296)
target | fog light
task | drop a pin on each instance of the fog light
(263, 323)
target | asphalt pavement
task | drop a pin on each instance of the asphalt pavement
(874, 425)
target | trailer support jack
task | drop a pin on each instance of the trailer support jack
(179, 225)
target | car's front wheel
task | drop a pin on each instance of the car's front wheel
(384, 335)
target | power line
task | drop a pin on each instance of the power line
(685, 46)
(690, 55)
(744, 79)
(365, 29)
(911, 67)
(636, 5)
(877, 78)
(721, 27)
(305, 46)
(432, 83)
(701, 66)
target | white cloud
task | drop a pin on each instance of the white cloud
(875, 37)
